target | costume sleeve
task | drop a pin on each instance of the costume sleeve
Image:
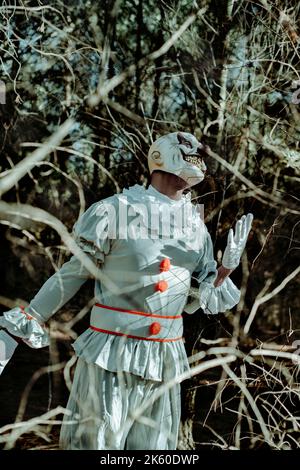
(90, 233)
(212, 299)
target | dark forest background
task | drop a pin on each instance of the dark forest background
(119, 74)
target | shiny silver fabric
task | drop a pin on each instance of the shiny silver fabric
(102, 406)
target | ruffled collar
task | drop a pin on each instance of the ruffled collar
(153, 191)
(140, 194)
(180, 215)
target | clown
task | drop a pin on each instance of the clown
(134, 343)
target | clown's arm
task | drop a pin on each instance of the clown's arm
(216, 292)
(28, 324)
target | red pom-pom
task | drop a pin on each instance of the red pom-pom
(154, 328)
(161, 286)
(165, 265)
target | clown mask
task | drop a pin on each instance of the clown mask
(179, 153)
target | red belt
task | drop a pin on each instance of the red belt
(168, 329)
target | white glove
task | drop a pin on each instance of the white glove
(7, 349)
(237, 242)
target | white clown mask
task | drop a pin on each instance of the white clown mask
(179, 153)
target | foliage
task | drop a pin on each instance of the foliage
(231, 77)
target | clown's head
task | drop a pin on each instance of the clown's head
(180, 154)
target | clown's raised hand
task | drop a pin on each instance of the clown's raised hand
(236, 242)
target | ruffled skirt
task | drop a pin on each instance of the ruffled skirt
(104, 412)
(158, 361)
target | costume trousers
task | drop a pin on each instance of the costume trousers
(102, 404)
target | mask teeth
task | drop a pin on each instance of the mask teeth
(194, 160)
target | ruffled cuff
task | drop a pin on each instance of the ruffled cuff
(19, 323)
(218, 299)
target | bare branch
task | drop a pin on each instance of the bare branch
(20, 170)
(265, 298)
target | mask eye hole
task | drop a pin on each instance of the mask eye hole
(183, 141)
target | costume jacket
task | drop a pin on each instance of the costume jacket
(139, 328)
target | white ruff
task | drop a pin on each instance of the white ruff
(163, 214)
